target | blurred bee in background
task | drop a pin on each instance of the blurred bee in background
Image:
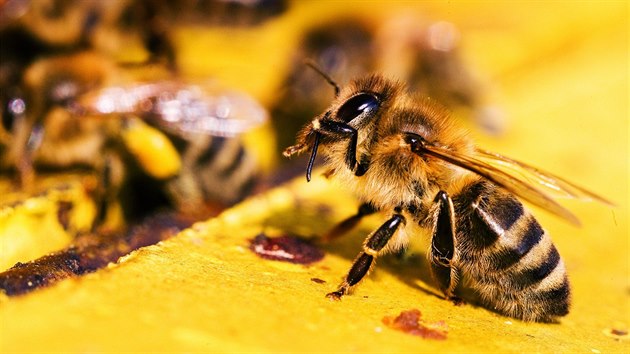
(421, 53)
(94, 86)
(27, 35)
(403, 155)
(153, 22)
(56, 53)
(426, 56)
(159, 142)
(207, 161)
(34, 28)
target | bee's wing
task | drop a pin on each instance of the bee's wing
(193, 110)
(181, 108)
(556, 185)
(519, 179)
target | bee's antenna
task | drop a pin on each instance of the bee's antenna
(313, 65)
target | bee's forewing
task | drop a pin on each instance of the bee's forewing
(557, 186)
(524, 184)
(180, 107)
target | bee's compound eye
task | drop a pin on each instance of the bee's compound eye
(416, 142)
(356, 106)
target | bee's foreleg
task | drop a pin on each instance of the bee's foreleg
(371, 248)
(350, 222)
(343, 130)
(443, 245)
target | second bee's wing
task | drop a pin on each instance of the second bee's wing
(180, 108)
(518, 178)
(193, 110)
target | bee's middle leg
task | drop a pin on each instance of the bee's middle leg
(347, 224)
(372, 246)
(443, 246)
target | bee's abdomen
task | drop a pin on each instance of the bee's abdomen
(216, 170)
(226, 170)
(511, 261)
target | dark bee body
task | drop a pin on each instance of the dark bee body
(403, 155)
(506, 255)
(215, 169)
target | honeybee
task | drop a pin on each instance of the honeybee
(209, 161)
(165, 141)
(403, 155)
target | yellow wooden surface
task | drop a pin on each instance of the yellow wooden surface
(561, 73)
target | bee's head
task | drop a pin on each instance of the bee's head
(351, 118)
(363, 101)
(358, 105)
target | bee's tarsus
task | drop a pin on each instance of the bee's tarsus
(336, 295)
(457, 301)
(294, 149)
(375, 243)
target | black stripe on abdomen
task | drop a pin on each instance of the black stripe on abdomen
(236, 161)
(556, 301)
(504, 209)
(494, 215)
(530, 276)
(528, 237)
(211, 151)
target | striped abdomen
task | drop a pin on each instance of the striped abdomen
(507, 257)
(215, 169)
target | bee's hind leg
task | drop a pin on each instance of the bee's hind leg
(443, 246)
(372, 246)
